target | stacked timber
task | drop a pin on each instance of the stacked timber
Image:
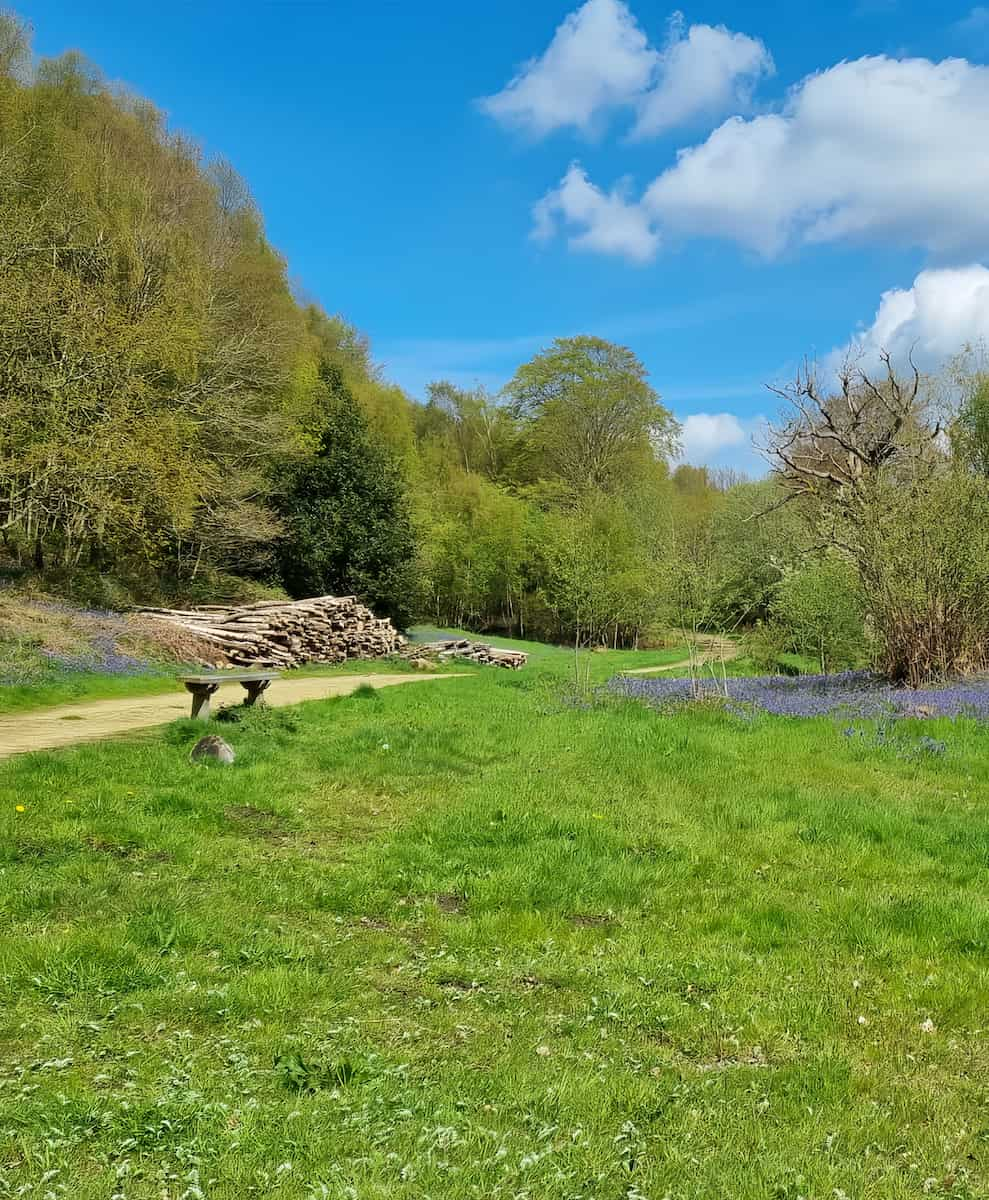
(285, 633)
(478, 652)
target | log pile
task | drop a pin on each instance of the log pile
(477, 652)
(284, 633)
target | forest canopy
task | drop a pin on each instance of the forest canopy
(176, 421)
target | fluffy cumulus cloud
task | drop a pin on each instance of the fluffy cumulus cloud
(877, 149)
(607, 223)
(943, 311)
(703, 70)
(600, 60)
(723, 440)
(706, 435)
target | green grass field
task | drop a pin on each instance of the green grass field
(473, 940)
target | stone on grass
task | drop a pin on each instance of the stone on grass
(212, 747)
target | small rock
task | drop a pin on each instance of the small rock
(212, 747)
(928, 1026)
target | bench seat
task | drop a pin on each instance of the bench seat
(204, 685)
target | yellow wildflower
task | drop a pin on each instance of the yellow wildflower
(18, 808)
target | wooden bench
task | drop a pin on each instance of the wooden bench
(203, 687)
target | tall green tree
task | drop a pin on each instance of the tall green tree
(589, 416)
(480, 433)
(151, 342)
(474, 545)
(347, 526)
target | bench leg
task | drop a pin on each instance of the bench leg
(254, 688)
(201, 693)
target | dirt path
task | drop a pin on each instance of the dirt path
(709, 649)
(49, 728)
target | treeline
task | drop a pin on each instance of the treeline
(175, 421)
(160, 385)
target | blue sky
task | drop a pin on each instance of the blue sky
(462, 234)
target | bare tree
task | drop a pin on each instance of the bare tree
(843, 438)
(869, 465)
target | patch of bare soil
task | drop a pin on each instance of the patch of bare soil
(127, 850)
(256, 822)
(592, 920)
(451, 903)
(374, 923)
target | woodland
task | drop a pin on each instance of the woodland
(179, 424)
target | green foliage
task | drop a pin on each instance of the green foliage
(345, 514)
(601, 572)
(589, 415)
(299, 1075)
(470, 428)
(819, 609)
(923, 556)
(549, 514)
(389, 411)
(765, 644)
(757, 539)
(150, 337)
(475, 547)
(156, 368)
(970, 429)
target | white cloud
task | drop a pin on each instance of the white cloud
(600, 60)
(722, 440)
(943, 311)
(705, 435)
(879, 149)
(705, 70)
(608, 223)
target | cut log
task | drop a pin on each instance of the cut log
(285, 633)
(477, 652)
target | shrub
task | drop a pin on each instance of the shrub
(818, 613)
(923, 555)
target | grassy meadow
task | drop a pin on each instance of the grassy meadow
(486, 940)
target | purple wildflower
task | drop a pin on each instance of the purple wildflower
(848, 693)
